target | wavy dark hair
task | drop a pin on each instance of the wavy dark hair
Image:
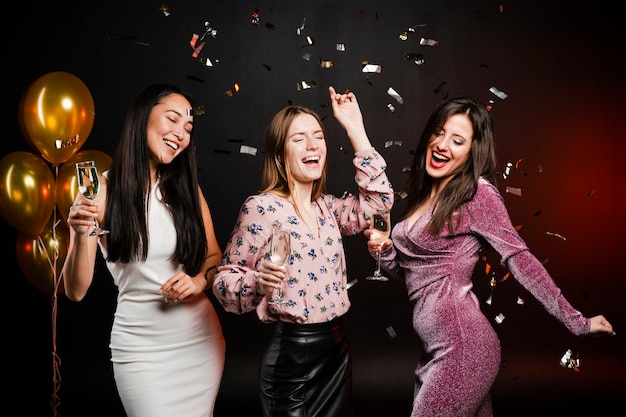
(128, 190)
(462, 187)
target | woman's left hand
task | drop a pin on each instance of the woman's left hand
(179, 287)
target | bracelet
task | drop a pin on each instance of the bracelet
(209, 269)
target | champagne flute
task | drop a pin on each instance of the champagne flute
(380, 227)
(88, 185)
(280, 252)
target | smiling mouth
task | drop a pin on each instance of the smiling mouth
(171, 144)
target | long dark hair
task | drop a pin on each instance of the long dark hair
(462, 187)
(128, 190)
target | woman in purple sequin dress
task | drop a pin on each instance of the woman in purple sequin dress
(453, 211)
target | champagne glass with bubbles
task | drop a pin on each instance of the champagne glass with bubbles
(380, 226)
(88, 184)
(280, 252)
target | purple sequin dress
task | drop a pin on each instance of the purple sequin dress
(461, 349)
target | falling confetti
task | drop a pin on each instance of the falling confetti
(391, 332)
(248, 150)
(393, 93)
(571, 361)
(514, 191)
(371, 68)
(501, 95)
(428, 42)
(556, 235)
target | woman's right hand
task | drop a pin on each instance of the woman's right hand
(375, 247)
(271, 276)
(81, 215)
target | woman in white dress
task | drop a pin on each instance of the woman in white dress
(167, 345)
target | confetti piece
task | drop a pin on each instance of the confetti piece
(499, 318)
(556, 235)
(391, 332)
(301, 28)
(64, 143)
(233, 90)
(417, 58)
(255, 17)
(488, 301)
(391, 108)
(395, 95)
(305, 85)
(571, 361)
(507, 170)
(197, 111)
(247, 150)
(325, 64)
(340, 47)
(392, 143)
(208, 63)
(520, 301)
(428, 42)
(351, 284)
(307, 56)
(514, 191)
(310, 41)
(590, 193)
(406, 170)
(501, 95)
(165, 9)
(371, 68)
(519, 161)
(402, 194)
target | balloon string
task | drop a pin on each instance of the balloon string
(56, 360)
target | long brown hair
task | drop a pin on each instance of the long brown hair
(276, 176)
(463, 185)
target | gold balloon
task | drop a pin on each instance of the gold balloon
(66, 187)
(56, 113)
(27, 192)
(37, 262)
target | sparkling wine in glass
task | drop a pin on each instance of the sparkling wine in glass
(280, 251)
(88, 184)
(380, 225)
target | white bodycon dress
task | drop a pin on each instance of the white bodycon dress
(168, 359)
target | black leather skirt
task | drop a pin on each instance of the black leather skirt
(306, 371)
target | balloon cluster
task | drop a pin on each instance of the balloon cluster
(55, 114)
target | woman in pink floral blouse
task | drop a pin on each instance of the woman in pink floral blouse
(306, 369)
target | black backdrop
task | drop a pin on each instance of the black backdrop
(561, 65)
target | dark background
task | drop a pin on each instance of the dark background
(562, 65)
